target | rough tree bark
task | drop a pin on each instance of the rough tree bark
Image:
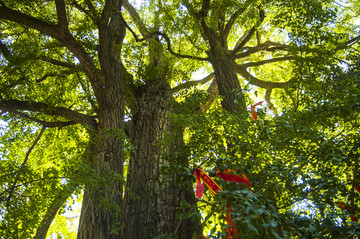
(233, 99)
(151, 200)
(100, 212)
(101, 208)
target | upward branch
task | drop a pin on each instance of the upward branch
(136, 18)
(61, 14)
(231, 22)
(204, 9)
(248, 35)
(90, 12)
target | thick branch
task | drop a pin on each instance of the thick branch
(260, 83)
(200, 17)
(5, 50)
(107, 11)
(15, 105)
(106, 38)
(208, 33)
(212, 91)
(58, 63)
(193, 83)
(61, 14)
(221, 22)
(26, 20)
(53, 209)
(204, 8)
(58, 124)
(198, 20)
(264, 62)
(136, 18)
(266, 46)
(59, 33)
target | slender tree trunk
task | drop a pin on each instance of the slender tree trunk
(152, 198)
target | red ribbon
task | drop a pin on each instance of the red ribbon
(234, 178)
(231, 231)
(214, 187)
(199, 186)
(252, 110)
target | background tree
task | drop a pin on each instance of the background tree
(81, 99)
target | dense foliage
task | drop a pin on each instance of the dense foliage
(96, 94)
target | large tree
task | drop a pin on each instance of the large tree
(97, 97)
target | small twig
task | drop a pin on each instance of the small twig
(177, 228)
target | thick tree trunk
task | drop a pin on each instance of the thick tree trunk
(233, 99)
(152, 199)
(101, 208)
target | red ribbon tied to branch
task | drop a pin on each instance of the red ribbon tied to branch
(252, 110)
(214, 187)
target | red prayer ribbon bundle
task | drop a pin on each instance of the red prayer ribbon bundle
(214, 187)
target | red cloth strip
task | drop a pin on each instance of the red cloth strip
(199, 186)
(213, 187)
(231, 231)
(234, 178)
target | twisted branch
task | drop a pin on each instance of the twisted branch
(166, 38)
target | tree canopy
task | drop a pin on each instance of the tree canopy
(116, 103)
